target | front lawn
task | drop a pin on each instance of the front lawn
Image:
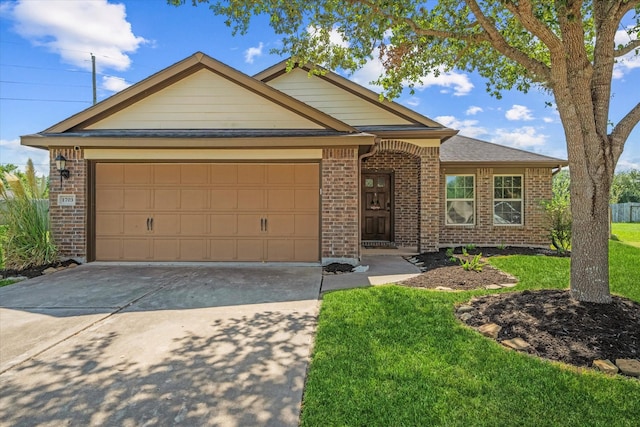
(628, 233)
(392, 356)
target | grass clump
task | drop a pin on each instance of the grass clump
(628, 233)
(27, 239)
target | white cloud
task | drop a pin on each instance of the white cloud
(524, 137)
(624, 164)
(548, 119)
(12, 152)
(253, 52)
(414, 101)
(628, 62)
(73, 29)
(459, 82)
(335, 37)
(468, 128)
(114, 84)
(518, 112)
(473, 110)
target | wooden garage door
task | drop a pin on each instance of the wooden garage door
(207, 212)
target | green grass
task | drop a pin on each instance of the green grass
(3, 233)
(5, 282)
(628, 233)
(396, 356)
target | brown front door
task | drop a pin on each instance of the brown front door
(377, 206)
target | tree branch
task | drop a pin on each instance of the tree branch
(523, 10)
(538, 68)
(622, 130)
(633, 44)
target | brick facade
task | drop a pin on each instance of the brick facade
(68, 223)
(417, 197)
(537, 187)
(340, 204)
(406, 176)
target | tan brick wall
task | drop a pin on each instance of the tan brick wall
(340, 225)
(537, 187)
(68, 223)
(406, 173)
(429, 199)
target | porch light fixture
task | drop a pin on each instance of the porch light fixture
(61, 164)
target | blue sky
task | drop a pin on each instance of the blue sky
(45, 72)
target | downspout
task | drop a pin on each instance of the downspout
(374, 150)
(555, 172)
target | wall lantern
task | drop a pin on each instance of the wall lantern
(61, 164)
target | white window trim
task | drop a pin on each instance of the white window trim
(446, 200)
(494, 200)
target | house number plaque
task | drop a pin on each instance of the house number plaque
(66, 199)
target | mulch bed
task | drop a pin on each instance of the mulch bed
(560, 328)
(34, 271)
(556, 326)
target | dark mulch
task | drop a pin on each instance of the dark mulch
(338, 268)
(441, 271)
(35, 271)
(560, 328)
(556, 326)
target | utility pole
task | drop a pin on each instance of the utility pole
(93, 74)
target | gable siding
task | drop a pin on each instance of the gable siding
(334, 101)
(205, 100)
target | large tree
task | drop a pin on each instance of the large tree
(566, 47)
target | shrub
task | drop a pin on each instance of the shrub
(27, 241)
(558, 223)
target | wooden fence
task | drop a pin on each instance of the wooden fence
(625, 212)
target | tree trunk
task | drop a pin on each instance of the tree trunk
(590, 239)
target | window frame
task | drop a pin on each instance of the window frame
(447, 199)
(495, 200)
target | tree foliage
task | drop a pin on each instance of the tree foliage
(626, 187)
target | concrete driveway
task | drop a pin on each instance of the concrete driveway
(157, 345)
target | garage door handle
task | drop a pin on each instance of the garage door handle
(151, 223)
(148, 221)
(265, 224)
(261, 224)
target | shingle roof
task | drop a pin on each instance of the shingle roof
(462, 149)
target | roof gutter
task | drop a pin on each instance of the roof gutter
(371, 152)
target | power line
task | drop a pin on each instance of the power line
(41, 84)
(44, 68)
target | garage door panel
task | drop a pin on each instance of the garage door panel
(193, 249)
(138, 173)
(110, 174)
(308, 174)
(108, 249)
(280, 199)
(223, 249)
(306, 225)
(306, 250)
(306, 199)
(166, 174)
(223, 174)
(224, 199)
(250, 174)
(136, 224)
(251, 199)
(109, 199)
(136, 249)
(166, 199)
(250, 250)
(194, 199)
(110, 224)
(280, 250)
(165, 249)
(165, 224)
(194, 174)
(224, 225)
(136, 199)
(250, 225)
(194, 225)
(280, 174)
(280, 225)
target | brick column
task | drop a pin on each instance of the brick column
(340, 181)
(429, 199)
(68, 223)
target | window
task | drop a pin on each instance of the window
(460, 200)
(507, 200)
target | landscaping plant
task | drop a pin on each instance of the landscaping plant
(27, 241)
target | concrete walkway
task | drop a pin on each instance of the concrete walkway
(383, 269)
(108, 345)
